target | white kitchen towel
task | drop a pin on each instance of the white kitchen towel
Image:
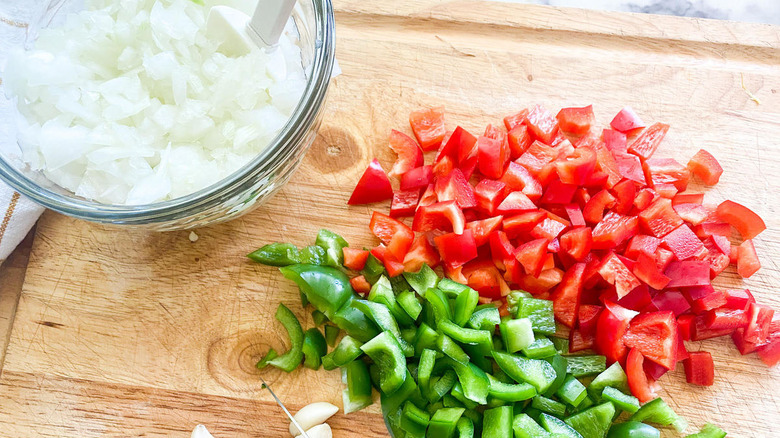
(17, 213)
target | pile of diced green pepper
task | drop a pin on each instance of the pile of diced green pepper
(446, 366)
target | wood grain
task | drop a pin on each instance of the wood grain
(123, 333)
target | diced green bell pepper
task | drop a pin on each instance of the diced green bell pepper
(344, 353)
(277, 254)
(327, 288)
(426, 337)
(439, 304)
(633, 429)
(485, 318)
(709, 431)
(473, 380)
(293, 357)
(373, 269)
(314, 347)
(593, 422)
(424, 370)
(313, 255)
(409, 302)
(382, 293)
(380, 314)
(525, 427)
(331, 334)
(624, 402)
(513, 299)
(540, 348)
(561, 344)
(465, 303)
(497, 422)
(557, 427)
(480, 338)
(559, 364)
(548, 405)
(357, 394)
(613, 376)
(269, 356)
(512, 392)
(538, 373)
(386, 352)
(572, 391)
(318, 317)
(457, 392)
(539, 312)
(517, 334)
(442, 385)
(581, 366)
(658, 412)
(333, 244)
(451, 288)
(447, 346)
(355, 322)
(465, 428)
(422, 280)
(414, 421)
(443, 422)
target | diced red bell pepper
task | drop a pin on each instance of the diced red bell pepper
(515, 119)
(515, 202)
(460, 140)
(613, 230)
(493, 156)
(699, 368)
(638, 299)
(420, 252)
(653, 370)
(638, 381)
(739, 299)
(445, 216)
(700, 332)
(694, 293)
(455, 273)
(486, 280)
(409, 153)
(518, 177)
(428, 197)
(717, 255)
(395, 234)
(747, 259)
(611, 328)
(725, 318)
(615, 272)
(614, 140)
(744, 347)
(646, 270)
(606, 162)
(655, 336)
(770, 353)
(593, 212)
(759, 320)
(665, 190)
(588, 318)
(393, 266)
(456, 249)
(579, 340)
(537, 157)
(574, 213)
(644, 198)
(417, 178)
(694, 214)
(577, 167)
(625, 192)
(688, 198)
(626, 120)
(531, 255)
(501, 249)
(519, 141)
(455, 187)
(664, 257)
(522, 223)
(576, 120)
(743, 219)
(373, 186)
(404, 203)
(688, 273)
(443, 166)
(541, 123)
(558, 193)
(642, 244)
(683, 243)
(488, 195)
(355, 259)
(360, 284)
(659, 218)
(577, 243)
(630, 167)
(660, 171)
(708, 302)
(548, 228)
(543, 283)
(566, 297)
(685, 324)
(712, 229)
(706, 167)
(672, 300)
(649, 140)
(589, 140)
(483, 228)
(428, 127)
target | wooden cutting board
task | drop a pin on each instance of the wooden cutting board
(122, 333)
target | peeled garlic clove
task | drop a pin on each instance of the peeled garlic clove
(201, 432)
(311, 415)
(320, 431)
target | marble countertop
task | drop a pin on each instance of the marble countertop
(757, 11)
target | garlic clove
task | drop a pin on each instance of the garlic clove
(311, 415)
(200, 431)
(320, 431)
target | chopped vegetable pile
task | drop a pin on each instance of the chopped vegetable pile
(545, 221)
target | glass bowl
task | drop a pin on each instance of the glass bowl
(237, 194)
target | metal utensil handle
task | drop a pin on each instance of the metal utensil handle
(281, 405)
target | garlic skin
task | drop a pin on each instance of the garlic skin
(312, 415)
(200, 431)
(320, 431)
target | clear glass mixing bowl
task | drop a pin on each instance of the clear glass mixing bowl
(231, 197)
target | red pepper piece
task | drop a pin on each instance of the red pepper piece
(663, 258)
(725, 318)
(655, 336)
(708, 302)
(699, 368)
(579, 340)
(558, 193)
(626, 120)
(355, 259)
(548, 228)
(444, 216)
(522, 223)
(460, 140)
(638, 381)
(393, 266)
(409, 153)
(613, 230)
(404, 203)
(501, 249)
(646, 270)
(421, 252)
(594, 209)
(739, 299)
(615, 140)
(455, 187)
(694, 214)
(747, 259)
(574, 213)
(456, 249)
(700, 332)
(531, 256)
(706, 167)
(684, 243)
(417, 178)
(541, 123)
(482, 229)
(630, 167)
(588, 318)
(644, 198)
(518, 177)
(649, 140)
(615, 272)
(493, 156)
(577, 167)
(685, 324)
(759, 320)
(688, 198)
(611, 328)
(642, 244)
(515, 119)
(625, 192)
(576, 120)
(360, 284)
(748, 223)
(519, 141)
(660, 171)
(488, 195)
(688, 273)
(428, 126)
(373, 186)
(712, 229)
(672, 300)
(396, 235)
(566, 296)
(577, 243)
(659, 218)
(515, 202)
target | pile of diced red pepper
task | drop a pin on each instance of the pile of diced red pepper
(586, 218)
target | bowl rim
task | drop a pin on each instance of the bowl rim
(280, 149)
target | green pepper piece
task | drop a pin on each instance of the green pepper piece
(593, 422)
(480, 338)
(485, 318)
(451, 288)
(557, 426)
(410, 304)
(357, 394)
(333, 244)
(380, 314)
(473, 380)
(442, 385)
(633, 429)
(422, 280)
(465, 428)
(426, 337)
(313, 255)
(293, 357)
(584, 404)
(497, 422)
(443, 422)
(386, 352)
(457, 392)
(373, 269)
(525, 427)
(540, 312)
(572, 391)
(382, 293)
(272, 354)
(354, 322)
(318, 317)
(658, 412)
(414, 420)
(613, 376)
(314, 347)
(548, 405)
(347, 351)
(276, 254)
(391, 404)
(540, 348)
(304, 299)
(510, 392)
(439, 304)
(709, 431)
(465, 303)
(559, 364)
(451, 349)
(327, 288)
(581, 366)
(538, 373)
(331, 334)
(479, 357)
(624, 402)
(561, 344)
(534, 413)
(517, 334)
(424, 370)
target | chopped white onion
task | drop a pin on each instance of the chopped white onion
(132, 102)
